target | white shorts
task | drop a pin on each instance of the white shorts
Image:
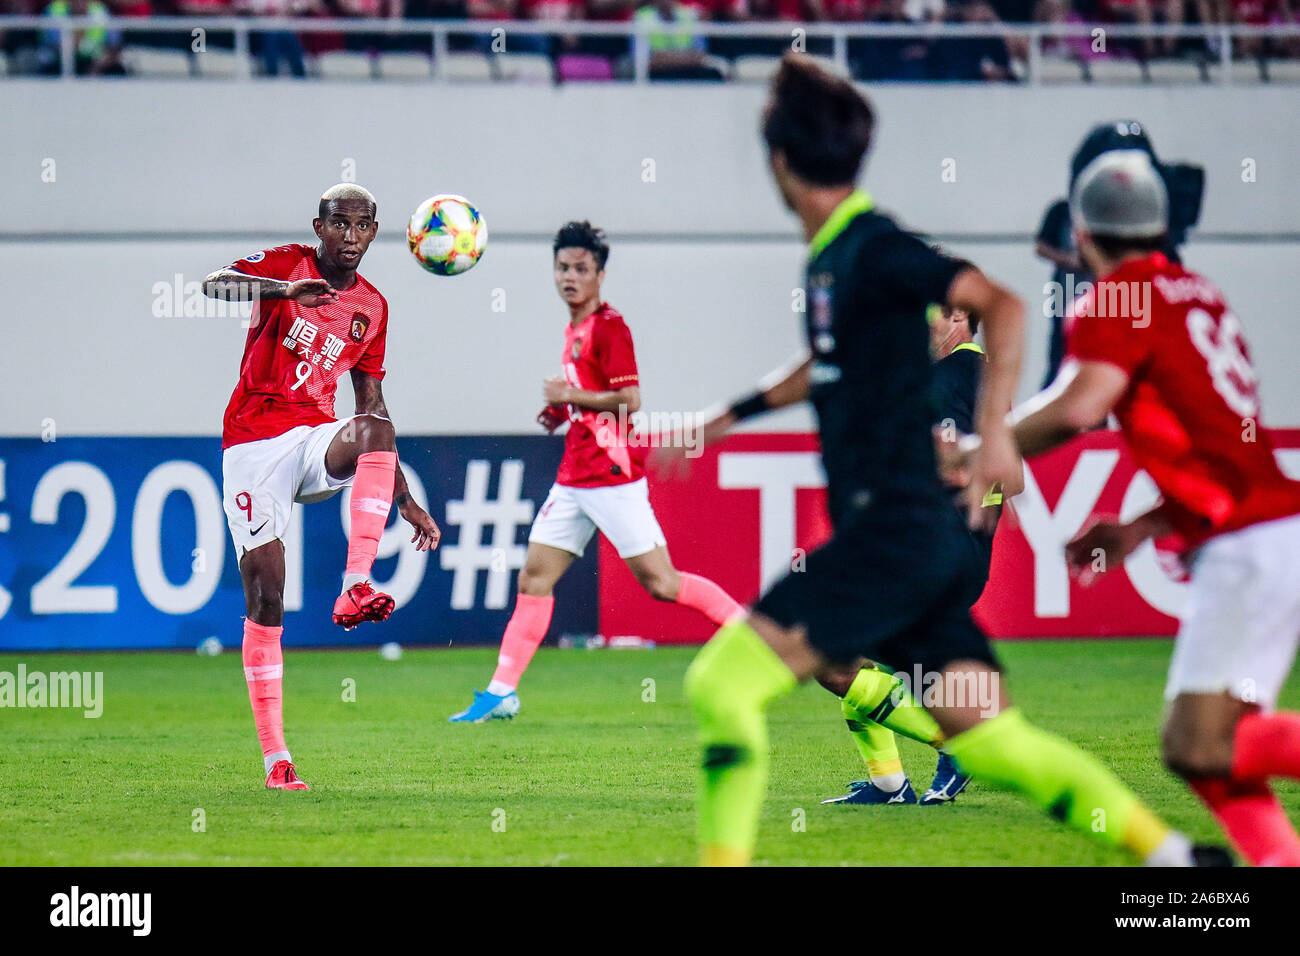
(570, 516)
(1241, 624)
(262, 479)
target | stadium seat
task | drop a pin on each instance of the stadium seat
(1114, 70)
(582, 67)
(150, 61)
(756, 68)
(1174, 71)
(1059, 69)
(404, 66)
(524, 67)
(220, 63)
(1282, 71)
(344, 65)
(466, 68)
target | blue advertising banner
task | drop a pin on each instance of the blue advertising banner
(122, 543)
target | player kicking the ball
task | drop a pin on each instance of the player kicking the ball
(1173, 367)
(896, 579)
(600, 484)
(314, 320)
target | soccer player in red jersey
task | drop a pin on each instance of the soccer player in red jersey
(600, 484)
(1159, 348)
(315, 319)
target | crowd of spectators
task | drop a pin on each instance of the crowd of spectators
(676, 48)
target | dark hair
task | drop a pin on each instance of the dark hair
(1114, 247)
(583, 235)
(819, 122)
(972, 322)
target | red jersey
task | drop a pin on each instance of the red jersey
(598, 357)
(1190, 414)
(295, 355)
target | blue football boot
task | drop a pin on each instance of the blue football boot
(487, 707)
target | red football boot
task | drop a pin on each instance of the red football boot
(284, 777)
(362, 602)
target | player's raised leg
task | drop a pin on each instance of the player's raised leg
(655, 572)
(534, 603)
(364, 449)
(262, 571)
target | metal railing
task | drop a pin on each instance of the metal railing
(796, 35)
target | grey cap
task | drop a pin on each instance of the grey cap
(1121, 194)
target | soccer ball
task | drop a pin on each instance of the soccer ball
(447, 235)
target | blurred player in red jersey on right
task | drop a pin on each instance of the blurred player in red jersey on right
(600, 485)
(1171, 364)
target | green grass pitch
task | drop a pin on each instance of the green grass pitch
(599, 768)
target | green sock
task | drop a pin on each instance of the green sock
(876, 743)
(880, 697)
(730, 684)
(1009, 752)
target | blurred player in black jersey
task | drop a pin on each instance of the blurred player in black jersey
(875, 703)
(896, 579)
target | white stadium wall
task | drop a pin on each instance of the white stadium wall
(157, 180)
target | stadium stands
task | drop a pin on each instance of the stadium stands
(894, 40)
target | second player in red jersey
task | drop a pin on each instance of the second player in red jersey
(1159, 347)
(600, 484)
(598, 357)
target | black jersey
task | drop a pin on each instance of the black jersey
(868, 286)
(954, 385)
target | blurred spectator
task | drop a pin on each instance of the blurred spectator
(971, 58)
(1124, 12)
(1059, 12)
(616, 11)
(889, 58)
(1261, 13)
(369, 10)
(676, 50)
(97, 50)
(513, 41)
(1014, 11)
(22, 46)
(274, 46)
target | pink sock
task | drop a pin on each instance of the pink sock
(264, 671)
(1267, 745)
(524, 633)
(372, 496)
(707, 598)
(1253, 819)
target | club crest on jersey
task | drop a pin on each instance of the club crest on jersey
(819, 301)
(359, 325)
(576, 351)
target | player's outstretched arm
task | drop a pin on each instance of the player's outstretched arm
(1080, 399)
(370, 401)
(235, 286)
(787, 385)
